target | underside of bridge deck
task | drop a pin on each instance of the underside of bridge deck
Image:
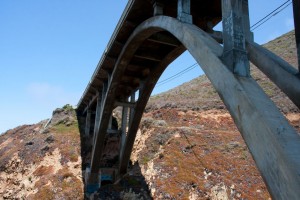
(149, 36)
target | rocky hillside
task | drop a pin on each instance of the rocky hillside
(42, 161)
(187, 148)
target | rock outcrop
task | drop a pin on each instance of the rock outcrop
(42, 161)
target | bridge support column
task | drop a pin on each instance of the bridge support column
(132, 100)
(125, 137)
(88, 123)
(184, 11)
(92, 181)
(124, 129)
(97, 118)
(236, 28)
(296, 9)
(158, 7)
(93, 175)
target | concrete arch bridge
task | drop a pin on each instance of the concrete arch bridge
(148, 37)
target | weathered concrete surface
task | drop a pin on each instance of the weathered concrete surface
(296, 9)
(274, 144)
(279, 71)
(184, 11)
(235, 15)
(88, 123)
(97, 118)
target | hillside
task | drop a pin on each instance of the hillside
(188, 147)
(42, 161)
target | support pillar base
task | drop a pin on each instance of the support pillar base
(185, 18)
(92, 181)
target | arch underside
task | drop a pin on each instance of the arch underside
(274, 144)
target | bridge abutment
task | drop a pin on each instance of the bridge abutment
(92, 181)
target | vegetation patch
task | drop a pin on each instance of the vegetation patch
(43, 170)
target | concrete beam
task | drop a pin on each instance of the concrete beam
(104, 91)
(164, 39)
(90, 103)
(110, 123)
(88, 123)
(158, 7)
(124, 132)
(132, 100)
(296, 9)
(279, 71)
(101, 130)
(217, 35)
(235, 28)
(148, 56)
(125, 104)
(113, 131)
(97, 118)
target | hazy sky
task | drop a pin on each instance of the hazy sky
(49, 50)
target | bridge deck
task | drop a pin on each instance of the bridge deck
(205, 15)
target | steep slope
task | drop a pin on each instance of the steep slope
(42, 161)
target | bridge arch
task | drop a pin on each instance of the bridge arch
(257, 118)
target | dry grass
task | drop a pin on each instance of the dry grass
(43, 170)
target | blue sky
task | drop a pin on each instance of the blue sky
(49, 50)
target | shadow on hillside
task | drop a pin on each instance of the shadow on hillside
(132, 185)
